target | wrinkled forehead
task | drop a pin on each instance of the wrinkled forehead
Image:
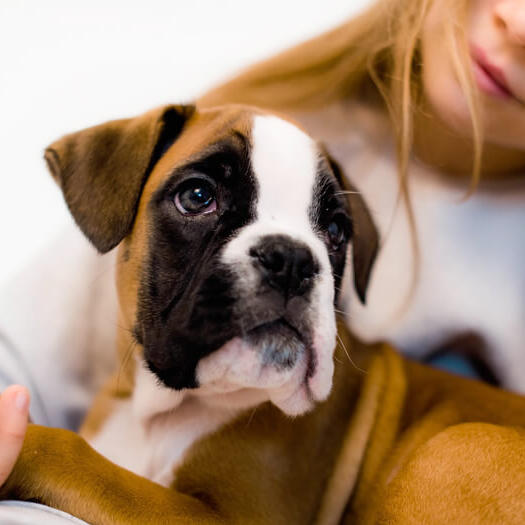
(278, 152)
(285, 161)
(205, 133)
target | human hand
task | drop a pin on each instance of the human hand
(14, 414)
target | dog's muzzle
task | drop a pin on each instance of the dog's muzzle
(276, 326)
(286, 343)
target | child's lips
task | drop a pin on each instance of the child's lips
(490, 78)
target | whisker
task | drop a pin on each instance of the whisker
(348, 355)
(251, 417)
(348, 192)
(125, 360)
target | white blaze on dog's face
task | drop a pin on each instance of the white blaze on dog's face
(234, 232)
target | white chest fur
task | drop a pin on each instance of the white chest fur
(150, 433)
(472, 251)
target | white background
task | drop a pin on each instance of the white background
(66, 65)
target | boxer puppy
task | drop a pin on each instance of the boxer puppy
(233, 233)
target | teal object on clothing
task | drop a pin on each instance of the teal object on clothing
(455, 363)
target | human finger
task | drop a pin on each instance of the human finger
(14, 412)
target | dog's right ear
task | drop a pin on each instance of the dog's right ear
(103, 169)
(365, 237)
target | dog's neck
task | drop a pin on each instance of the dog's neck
(158, 424)
(150, 399)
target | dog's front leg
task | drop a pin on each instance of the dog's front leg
(58, 468)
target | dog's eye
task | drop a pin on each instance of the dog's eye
(196, 197)
(336, 233)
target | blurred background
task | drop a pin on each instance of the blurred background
(68, 65)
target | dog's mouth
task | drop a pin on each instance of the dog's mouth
(274, 354)
(278, 328)
(281, 343)
(276, 358)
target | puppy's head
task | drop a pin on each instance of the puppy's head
(233, 232)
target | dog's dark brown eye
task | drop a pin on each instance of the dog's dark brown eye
(336, 234)
(197, 197)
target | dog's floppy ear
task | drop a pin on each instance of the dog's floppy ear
(103, 169)
(365, 239)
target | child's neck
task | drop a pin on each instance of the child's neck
(437, 145)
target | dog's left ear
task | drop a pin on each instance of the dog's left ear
(102, 170)
(365, 238)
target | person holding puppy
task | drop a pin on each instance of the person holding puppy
(422, 104)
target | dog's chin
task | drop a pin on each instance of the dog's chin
(272, 362)
(278, 343)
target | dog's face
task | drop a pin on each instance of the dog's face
(233, 255)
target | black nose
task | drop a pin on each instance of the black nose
(286, 265)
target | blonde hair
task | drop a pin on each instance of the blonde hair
(374, 57)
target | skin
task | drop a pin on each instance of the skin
(14, 415)
(443, 129)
